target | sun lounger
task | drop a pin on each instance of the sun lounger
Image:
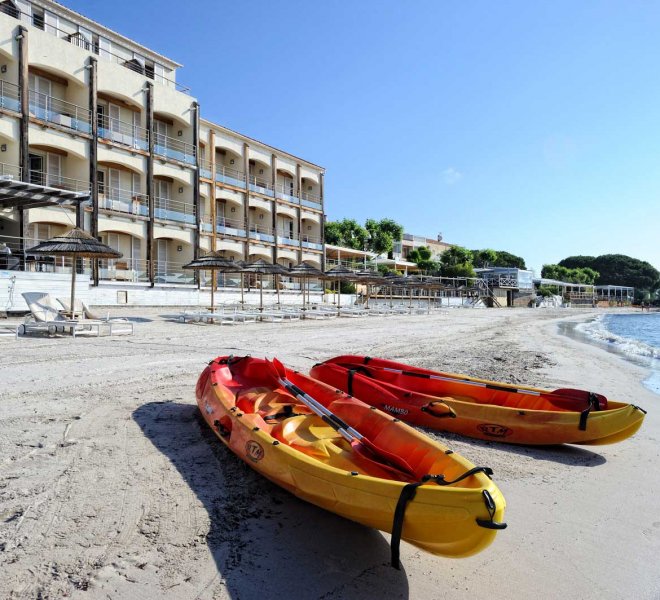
(116, 324)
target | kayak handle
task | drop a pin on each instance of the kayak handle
(490, 507)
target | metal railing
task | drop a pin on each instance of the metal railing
(123, 133)
(10, 96)
(123, 201)
(174, 210)
(124, 269)
(13, 171)
(205, 169)
(284, 191)
(311, 200)
(261, 233)
(230, 176)
(59, 181)
(284, 236)
(60, 112)
(260, 186)
(312, 242)
(76, 38)
(166, 271)
(174, 149)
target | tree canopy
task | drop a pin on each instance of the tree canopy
(457, 262)
(422, 258)
(616, 269)
(376, 236)
(497, 258)
(585, 276)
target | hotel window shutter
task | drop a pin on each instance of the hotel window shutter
(114, 113)
(52, 23)
(54, 169)
(114, 183)
(105, 47)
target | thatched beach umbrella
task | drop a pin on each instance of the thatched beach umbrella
(261, 267)
(213, 261)
(304, 271)
(340, 274)
(76, 244)
(368, 277)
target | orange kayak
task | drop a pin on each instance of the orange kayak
(394, 478)
(480, 408)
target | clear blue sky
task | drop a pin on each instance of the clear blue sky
(531, 127)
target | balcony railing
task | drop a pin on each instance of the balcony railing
(311, 200)
(229, 176)
(205, 169)
(123, 133)
(261, 186)
(174, 149)
(59, 182)
(284, 191)
(174, 210)
(166, 271)
(9, 96)
(312, 242)
(261, 233)
(124, 269)
(13, 171)
(60, 112)
(123, 201)
(81, 41)
(284, 236)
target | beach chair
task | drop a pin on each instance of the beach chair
(45, 317)
(115, 324)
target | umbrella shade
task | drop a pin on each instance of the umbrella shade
(304, 271)
(341, 273)
(262, 268)
(213, 261)
(79, 244)
(368, 276)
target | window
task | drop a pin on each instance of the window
(9, 8)
(100, 176)
(38, 17)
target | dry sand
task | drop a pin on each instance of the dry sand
(111, 488)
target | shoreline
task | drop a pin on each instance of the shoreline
(111, 487)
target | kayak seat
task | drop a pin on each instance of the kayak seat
(313, 436)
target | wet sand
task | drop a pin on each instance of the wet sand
(110, 487)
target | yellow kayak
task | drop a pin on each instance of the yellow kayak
(389, 476)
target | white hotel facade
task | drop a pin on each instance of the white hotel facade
(83, 108)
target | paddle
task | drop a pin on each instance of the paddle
(354, 437)
(565, 394)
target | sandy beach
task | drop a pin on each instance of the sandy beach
(110, 487)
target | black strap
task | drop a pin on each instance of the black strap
(594, 403)
(367, 359)
(408, 492)
(286, 413)
(349, 385)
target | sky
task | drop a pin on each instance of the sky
(530, 127)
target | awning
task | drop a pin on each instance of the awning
(19, 194)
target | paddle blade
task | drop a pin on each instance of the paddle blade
(387, 459)
(571, 396)
(279, 368)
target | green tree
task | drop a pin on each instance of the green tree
(422, 257)
(506, 259)
(617, 269)
(347, 232)
(484, 258)
(584, 276)
(457, 262)
(383, 234)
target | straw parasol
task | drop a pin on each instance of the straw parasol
(213, 261)
(340, 274)
(76, 244)
(369, 277)
(261, 267)
(304, 271)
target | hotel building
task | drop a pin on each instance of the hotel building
(82, 108)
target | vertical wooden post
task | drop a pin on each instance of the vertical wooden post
(150, 183)
(298, 191)
(214, 208)
(24, 94)
(323, 217)
(246, 169)
(93, 158)
(273, 180)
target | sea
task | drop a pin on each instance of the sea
(634, 336)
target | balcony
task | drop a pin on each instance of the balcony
(262, 234)
(229, 176)
(285, 192)
(122, 133)
(10, 171)
(174, 210)
(123, 201)
(230, 227)
(312, 242)
(166, 271)
(58, 181)
(285, 237)
(9, 96)
(205, 169)
(174, 149)
(311, 201)
(60, 112)
(261, 186)
(123, 269)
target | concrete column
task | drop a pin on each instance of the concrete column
(196, 191)
(299, 196)
(150, 182)
(24, 95)
(93, 158)
(246, 169)
(273, 180)
(323, 217)
(214, 206)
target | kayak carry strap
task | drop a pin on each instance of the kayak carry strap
(286, 413)
(351, 374)
(409, 491)
(594, 404)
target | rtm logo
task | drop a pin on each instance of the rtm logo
(254, 451)
(494, 430)
(395, 409)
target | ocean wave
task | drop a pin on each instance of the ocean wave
(596, 330)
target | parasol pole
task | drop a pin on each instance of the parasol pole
(277, 287)
(242, 301)
(261, 292)
(212, 289)
(73, 287)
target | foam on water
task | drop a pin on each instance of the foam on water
(634, 336)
